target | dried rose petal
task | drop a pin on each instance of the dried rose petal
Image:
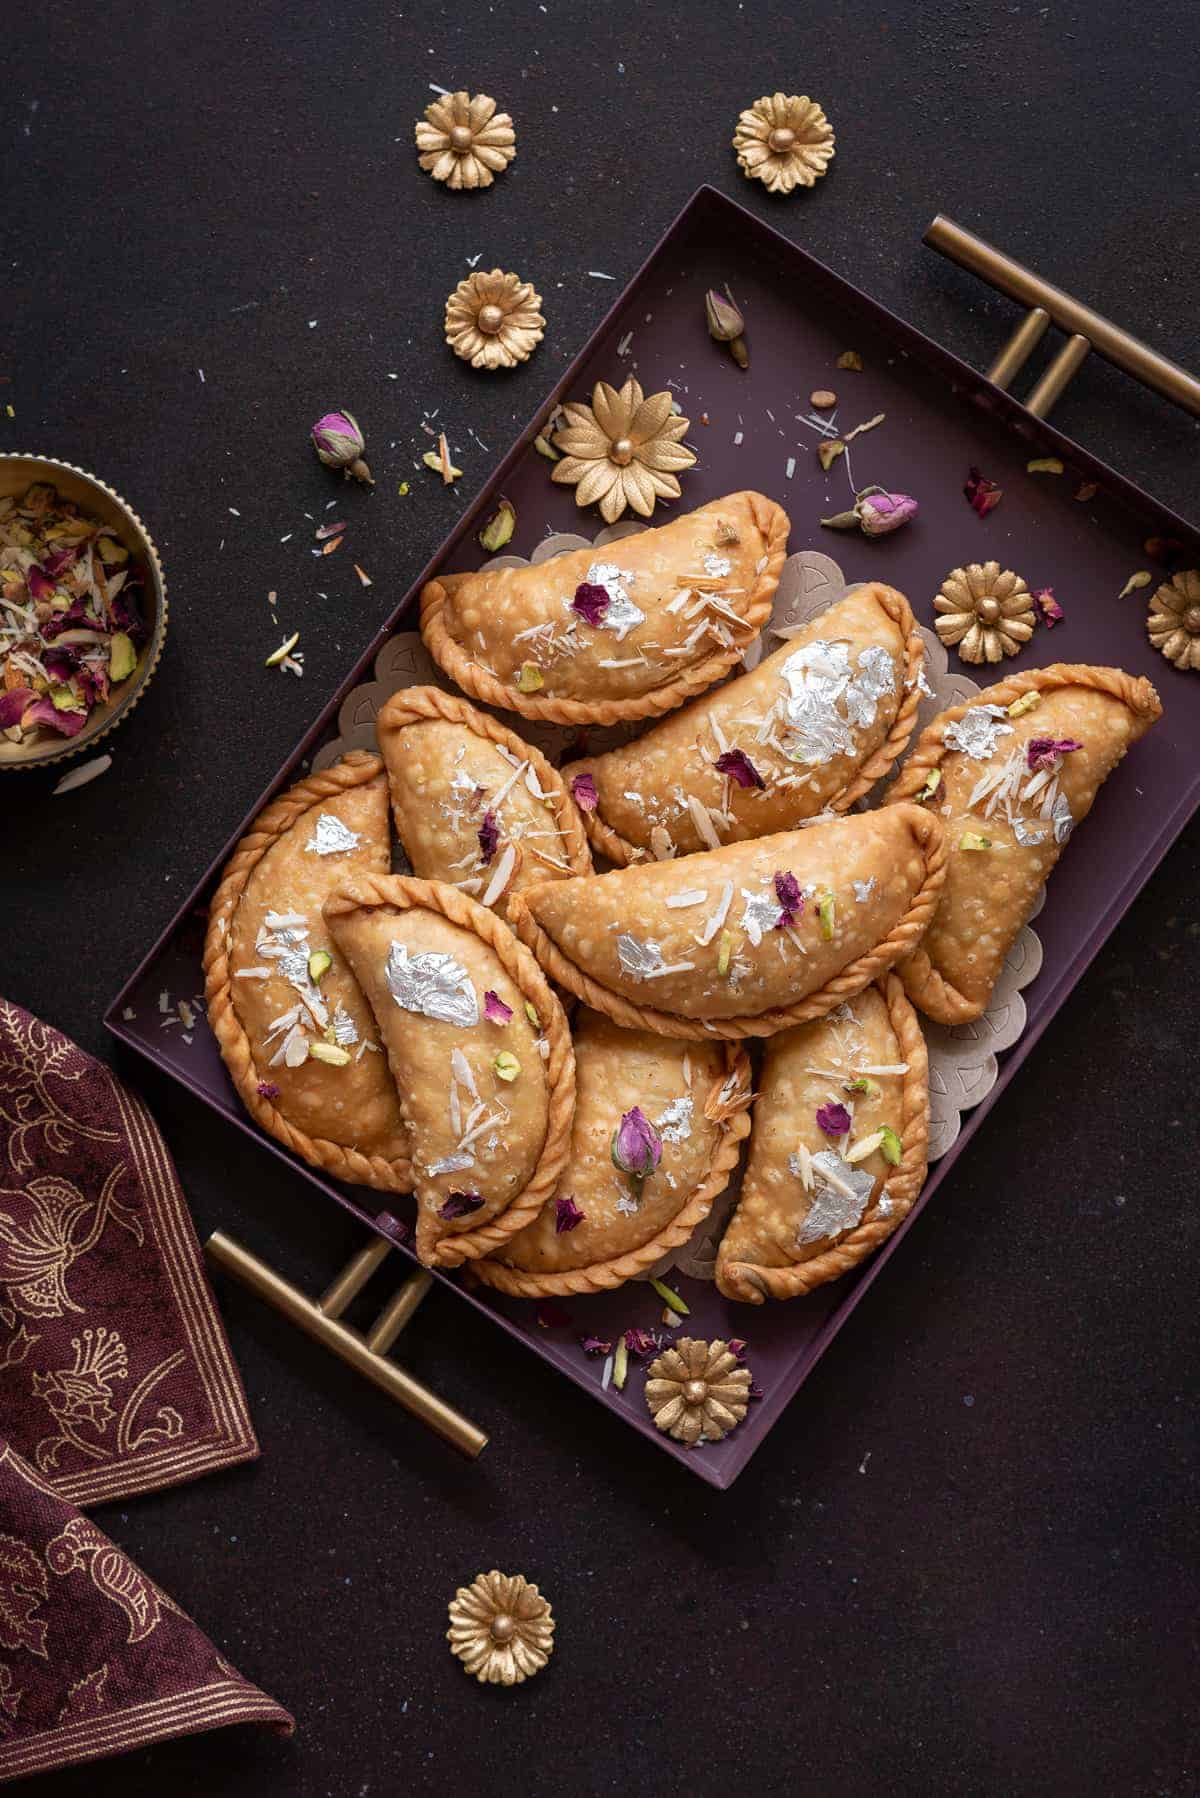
(643, 1343)
(791, 899)
(59, 560)
(583, 792)
(267, 1089)
(1048, 606)
(76, 617)
(494, 1008)
(1044, 752)
(551, 1316)
(834, 1120)
(595, 1345)
(94, 681)
(566, 1215)
(489, 836)
(737, 764)
(39, 583)
(737, 1347)
(591, 602)
(459, 1204)
(44, 711)
(982, 494)
(13, 705)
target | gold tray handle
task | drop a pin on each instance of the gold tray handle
(321, 1319)
(1087, 330)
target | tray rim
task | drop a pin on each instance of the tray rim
(967, 384)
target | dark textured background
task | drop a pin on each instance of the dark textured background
(960, 1563)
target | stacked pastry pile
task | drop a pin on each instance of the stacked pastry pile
(413, 1032)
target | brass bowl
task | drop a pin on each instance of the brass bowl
(17, 471)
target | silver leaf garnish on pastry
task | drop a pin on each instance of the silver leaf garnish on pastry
(835, 1209)
(819, 679)
(978, 731)
(331, 837)
(433, 985)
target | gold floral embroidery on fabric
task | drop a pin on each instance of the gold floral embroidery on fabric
(14, 1351)
(30, 1054)
(114, 1575)
(44, 1229)
(23, 1588)
(10, 1699)
(86, 1698)
(79, 1397)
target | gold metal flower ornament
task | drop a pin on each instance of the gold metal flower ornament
(493, 321)
(464, 141)
(697, 1389)
(785, 141)
(1173, 623)
(501, 1628)
(985, 611)
(622, 450)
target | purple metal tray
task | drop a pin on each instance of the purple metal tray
(941, 417)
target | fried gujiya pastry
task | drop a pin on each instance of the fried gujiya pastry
(838, 1150)
(630, 629)
(295, 1032)
(1010, 775)
(745, 940)
(811, 729)
(657, 1129)
(473, 804)
(480, 1052)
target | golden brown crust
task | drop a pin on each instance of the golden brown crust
(391, 1174)
(603, 1275)
(752, 1283)
(621, 852)
(450, 656)
(413, 705)
(937, 997)
(402, 892)
(899, 942)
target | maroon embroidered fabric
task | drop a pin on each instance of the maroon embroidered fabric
(115, 1375)
(94, 1658)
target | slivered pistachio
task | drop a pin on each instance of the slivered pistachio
(505, 1066)
(331, 1053)
(499, 528)
(319, 963)
(891, 1147)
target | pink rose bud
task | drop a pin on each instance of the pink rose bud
(340, 443)
(879, 513)
(636, 1146)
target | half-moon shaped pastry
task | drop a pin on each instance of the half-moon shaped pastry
(603, 1226)
(838, 1149)
(295, 1032)
(1011, 775)
(745, 940)
(627, 630)
(473, 804)
(479, 1049)
(811, 729)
